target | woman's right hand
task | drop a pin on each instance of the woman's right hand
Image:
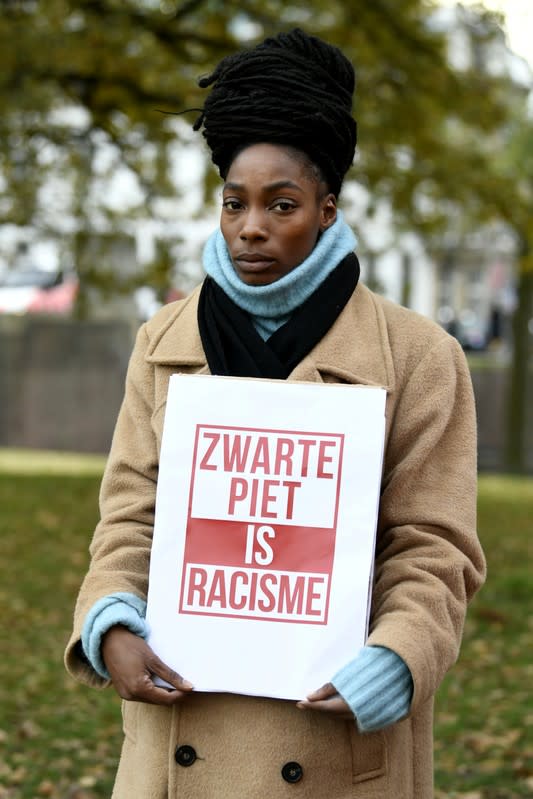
(132, 666)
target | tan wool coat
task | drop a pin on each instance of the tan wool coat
(428, 565)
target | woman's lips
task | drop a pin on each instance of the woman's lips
(255, 263)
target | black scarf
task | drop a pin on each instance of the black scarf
(234, 347)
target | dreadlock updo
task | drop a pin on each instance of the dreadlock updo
(292, 89)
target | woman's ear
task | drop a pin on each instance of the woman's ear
(328, 212)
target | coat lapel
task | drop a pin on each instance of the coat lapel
(355, 350)
(178, 342)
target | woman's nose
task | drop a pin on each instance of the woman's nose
(253, 226)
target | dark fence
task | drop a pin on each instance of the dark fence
(490, 388)
(61, 384)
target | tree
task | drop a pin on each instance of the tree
(517, 396)
(117, 63)
(515, 167)
(78, 78)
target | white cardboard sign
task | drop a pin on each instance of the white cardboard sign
(264, 533)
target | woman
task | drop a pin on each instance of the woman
(282, 300)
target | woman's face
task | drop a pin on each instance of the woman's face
(273, 210)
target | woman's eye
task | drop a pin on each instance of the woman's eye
(231, 205)
(283, 205)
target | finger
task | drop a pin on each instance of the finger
(143, 689)
(167, 674)
(163, 696)
(322, 693)
(334, 706)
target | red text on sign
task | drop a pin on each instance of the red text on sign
(240, 452)
(242, 592)
(269, 499)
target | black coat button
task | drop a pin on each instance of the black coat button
(185, 755)
(292, 772)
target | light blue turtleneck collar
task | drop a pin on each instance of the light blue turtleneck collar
(272, 305)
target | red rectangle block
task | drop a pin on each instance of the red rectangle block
(245, 545)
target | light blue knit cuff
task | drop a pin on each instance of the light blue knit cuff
(377, 686)
(120, 608)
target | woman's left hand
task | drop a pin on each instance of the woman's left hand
(328, 700)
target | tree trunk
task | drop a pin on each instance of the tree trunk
(406, 279)
(517, 399)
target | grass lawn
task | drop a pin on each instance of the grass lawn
(61, 740)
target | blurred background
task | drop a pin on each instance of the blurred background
(106, 199)
(107, 195)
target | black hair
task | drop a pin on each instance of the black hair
(292, 89)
